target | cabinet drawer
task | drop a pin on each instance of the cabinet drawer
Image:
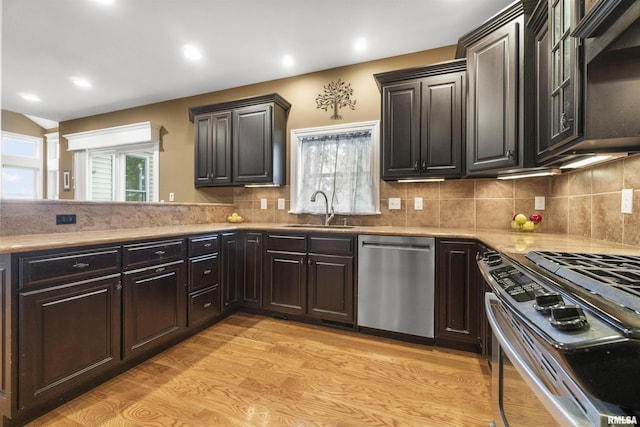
(331, 245)
(203, 245)
(204, 305)
(142, 254)
(63, 266)
(287, 242)
(203, 272)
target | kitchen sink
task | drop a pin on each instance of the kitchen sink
(318, 226)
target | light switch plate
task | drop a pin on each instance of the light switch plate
(281, 203)
(417, 203)
(263, 203)
(627, 201)
(539, 202)
(394, 203)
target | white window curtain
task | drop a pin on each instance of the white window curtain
(343, 165)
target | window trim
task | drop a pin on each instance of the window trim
(295, 148)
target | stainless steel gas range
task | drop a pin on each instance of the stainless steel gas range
(566, 332)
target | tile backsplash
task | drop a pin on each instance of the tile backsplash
(585, 203)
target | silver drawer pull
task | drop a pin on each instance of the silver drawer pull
(207, 245)
(159, 252)
(206, 272)
(80, 265)
(207, 304)
(160, 269)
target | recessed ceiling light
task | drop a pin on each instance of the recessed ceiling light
(29, 97)
(287, 61)
(81, 82)
(105, 2)
(191, 52)
(360, 44)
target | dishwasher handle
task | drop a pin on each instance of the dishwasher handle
(396, 246)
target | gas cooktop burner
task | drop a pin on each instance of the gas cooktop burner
(615, 277)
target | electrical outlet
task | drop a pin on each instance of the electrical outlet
(172, 197)
(394, 203)
(263, 203)
(539, 202)
(627, 201)
(417, 203)
(281, 203)
(65, 219)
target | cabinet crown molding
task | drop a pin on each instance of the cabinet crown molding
(439, 68)
(512, 11)
(239, 103)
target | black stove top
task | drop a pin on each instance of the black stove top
(612, 277)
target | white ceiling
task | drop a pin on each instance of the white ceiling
(131, 50)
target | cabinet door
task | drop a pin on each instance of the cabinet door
(203, 148)
(401, 130)
(154, 307)
(492, 124)
(212, 149)
(442, 125)
(286, 282)
(564, 90)
(67, 336)
(543, 73)
(331, 287)
(252, 269)
(231, 273)
(457, 295)
(252, 144)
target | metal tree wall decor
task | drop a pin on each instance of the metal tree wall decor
(336, 95)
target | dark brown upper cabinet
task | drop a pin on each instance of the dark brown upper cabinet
(423, 118)
(212, 149)
(500, 124)
(559, 77)
(241, 142)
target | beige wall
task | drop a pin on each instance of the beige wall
(18, 123)
(176, 157)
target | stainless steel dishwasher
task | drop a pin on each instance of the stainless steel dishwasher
(396, 284)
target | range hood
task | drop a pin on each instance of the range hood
(611, 35)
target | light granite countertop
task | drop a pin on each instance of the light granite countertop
(506, 241)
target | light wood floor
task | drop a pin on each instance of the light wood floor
(257, 371)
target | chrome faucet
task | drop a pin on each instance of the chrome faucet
(327, 217)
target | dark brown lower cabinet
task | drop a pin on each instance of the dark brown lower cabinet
(68, 335)
(230, 244)
(251, 281)
(331, 287)
(204, 305)
(286, 282)
(457, 295)
(154, 307)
